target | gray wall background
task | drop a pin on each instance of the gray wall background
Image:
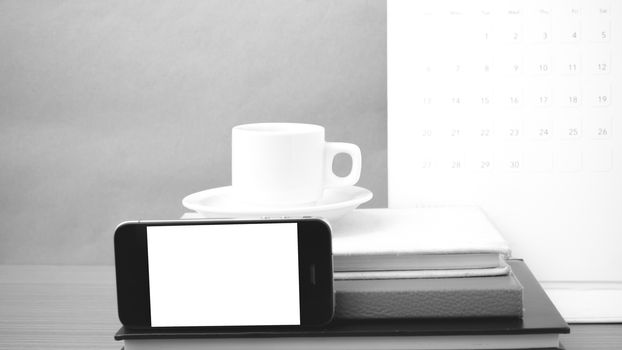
(115, 110)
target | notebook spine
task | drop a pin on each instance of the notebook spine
(352, 304)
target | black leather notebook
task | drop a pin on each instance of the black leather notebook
(540, 318)
(453, 297)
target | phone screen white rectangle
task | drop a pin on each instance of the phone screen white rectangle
(223, 275)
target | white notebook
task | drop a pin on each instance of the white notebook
(438, 242)
(420, 242)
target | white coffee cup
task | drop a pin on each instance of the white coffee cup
(285, 164)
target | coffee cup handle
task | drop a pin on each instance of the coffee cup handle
(331, 150)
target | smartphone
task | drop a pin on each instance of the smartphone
(224, 273)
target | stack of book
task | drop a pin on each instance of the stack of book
(423, 263)
(425, 278)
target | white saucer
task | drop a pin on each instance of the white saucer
(220, 203)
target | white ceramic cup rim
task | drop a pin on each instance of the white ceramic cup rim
(279, 128)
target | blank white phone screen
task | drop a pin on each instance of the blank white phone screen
(223, 275)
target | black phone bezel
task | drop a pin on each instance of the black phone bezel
(315, 268)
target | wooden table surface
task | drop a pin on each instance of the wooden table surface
(74, 307)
